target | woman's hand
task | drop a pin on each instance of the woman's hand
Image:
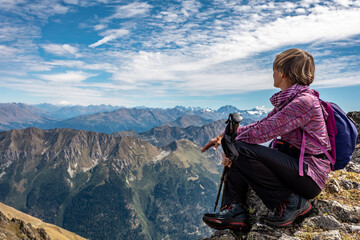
(215, 143)
(226, 162)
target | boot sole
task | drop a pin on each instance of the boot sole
(301, 212)
(225, 223)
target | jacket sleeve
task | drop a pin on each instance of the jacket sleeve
(294, 115)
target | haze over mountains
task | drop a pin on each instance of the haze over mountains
(110, 119)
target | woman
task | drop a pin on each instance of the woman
(275, 173)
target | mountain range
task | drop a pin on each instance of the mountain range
(62, 112)
(105, 187)
(110, 119)
(116, 173)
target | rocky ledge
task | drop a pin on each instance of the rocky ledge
(335, 214)
(17, 229)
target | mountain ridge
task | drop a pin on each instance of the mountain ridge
(110, 119)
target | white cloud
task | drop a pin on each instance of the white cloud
(36, 66)
(341, 81)
(131, 10)
(10, 4)
(75, 2)
(83, 65)
(324, 25)
(12, 73)
(61, 49)
(110, 35)
(61, 92)
(68, 63)
(69, 76)
(345, 3)
(100, 27)
(44, 9)
(190, 7)
(7, 51)
(63, 102)
(170, 16)
(300, 11)
(8, 33)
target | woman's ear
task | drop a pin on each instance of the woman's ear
(282, 75)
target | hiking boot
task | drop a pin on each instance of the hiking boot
(288, 211)
(231, 216)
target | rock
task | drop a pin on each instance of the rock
(333, 186)
(43, 234)
(225, 235)
(355, 116)
(324, 222)
(263, 232)
(16, 229)
(347, 184)
(286, 237)
(354, 164)
(342, 212)
(256, 207)
(330, 235)
(352, 228)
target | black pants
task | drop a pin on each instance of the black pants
(273, 175)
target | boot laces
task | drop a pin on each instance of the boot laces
(281, 209)
(227, 207)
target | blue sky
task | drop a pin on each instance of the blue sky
(167, 53)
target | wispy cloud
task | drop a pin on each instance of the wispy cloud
(321, 24)
(131, 10)
(42, 9)
(69, 76)
(190, 7)
(55, 92)
(7, 51)
(110, 35)
(61, 50)
(100, 27)
(75, 2)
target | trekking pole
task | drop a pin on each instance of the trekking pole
(231, 130)
(224, 172)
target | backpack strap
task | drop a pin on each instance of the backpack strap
(331, 129)
(302, 151)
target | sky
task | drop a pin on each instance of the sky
(156, 53)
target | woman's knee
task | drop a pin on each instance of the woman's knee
(244, 157)
(245, 149)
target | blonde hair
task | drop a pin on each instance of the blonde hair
(297, 65)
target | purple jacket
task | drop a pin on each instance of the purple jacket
(296, 107)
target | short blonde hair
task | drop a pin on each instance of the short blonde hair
(297, 65)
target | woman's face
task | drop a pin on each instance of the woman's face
(278, 78)
(280, 81)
